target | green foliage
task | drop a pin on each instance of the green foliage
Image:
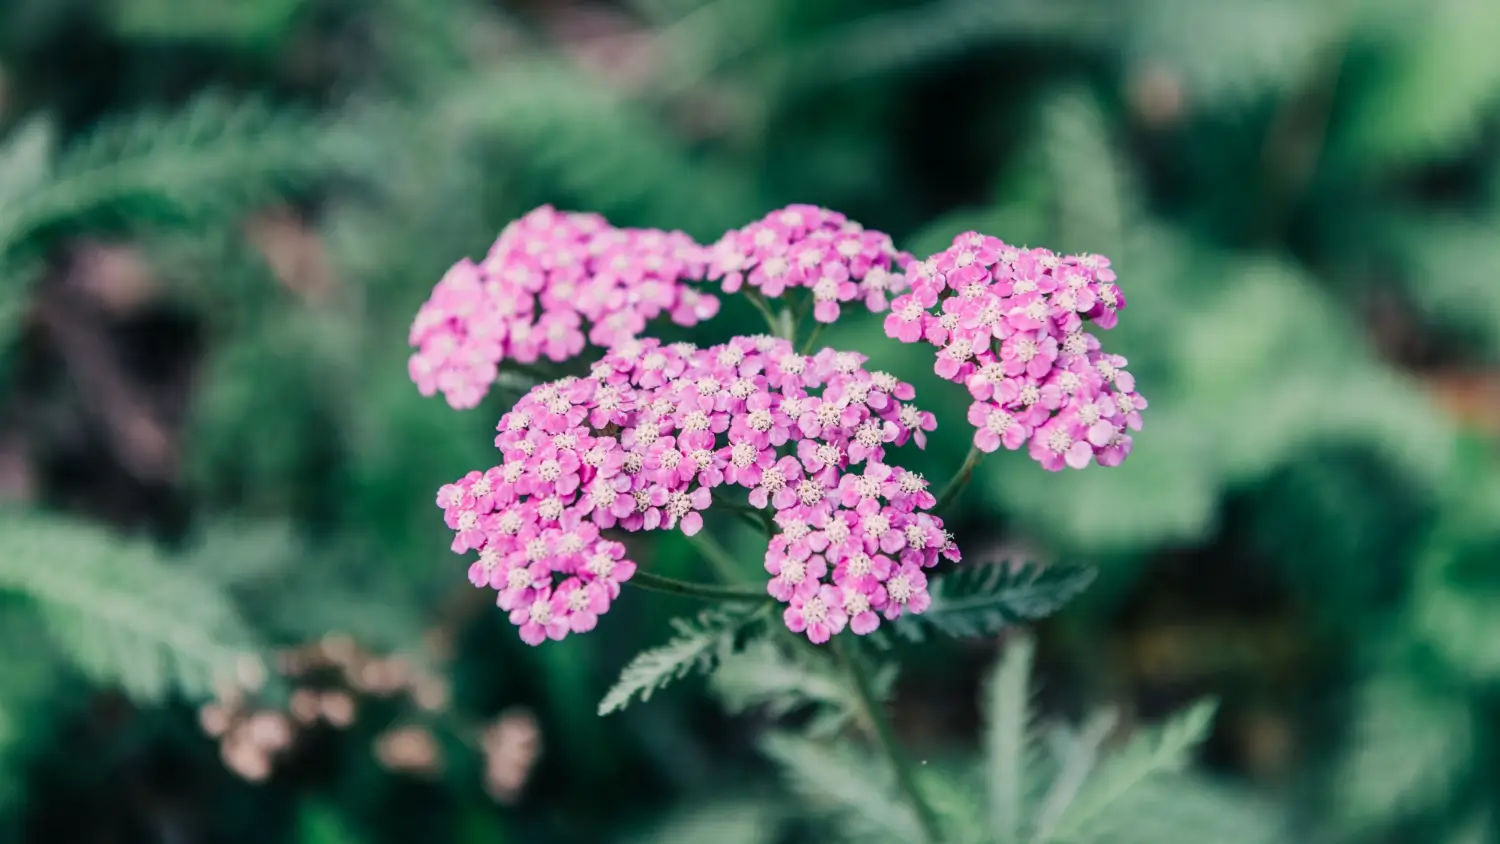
(981, 599)
(200, 165)
(102, 598)
(698, 644)
(779, 681)
(1432, 84)
(1037, 785)
(845, 784)
(722, 822)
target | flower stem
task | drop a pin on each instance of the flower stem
(764, 307)
(707, 591)
(753, 517)
(722, 561)
(812, 336)
(960, 479)
(874, 712)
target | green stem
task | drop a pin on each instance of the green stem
(874, 712)
(722, 561)
(764, 307)
(808, 343)
(753, 517)
(707, 591)
(960, 479)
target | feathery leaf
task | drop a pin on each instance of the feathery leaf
(983, 599)
(120, 611)
(844, 783)
(697, 646)
(1151, 752)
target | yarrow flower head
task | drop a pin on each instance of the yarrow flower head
(552, 282)
(656, 433)
(835, 258)
(1008, 323)
(641, 443)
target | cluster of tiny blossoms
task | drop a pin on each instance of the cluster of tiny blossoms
(1008, 323)
(807, 246)
(551, 280)
(645, 441)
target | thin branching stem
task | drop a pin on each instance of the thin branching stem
(722, 561)
(960, 479)
(811, 338)
(707, 591)
(760, 303)
(757, 518)
(874, 714)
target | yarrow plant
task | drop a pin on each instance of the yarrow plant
(799, 442)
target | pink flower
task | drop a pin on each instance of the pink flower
(820, 614)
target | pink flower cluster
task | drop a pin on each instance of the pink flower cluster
(645, 441)
(551, 280)
(837, 259)
(1008, 324)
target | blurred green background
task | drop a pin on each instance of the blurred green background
(217, 218)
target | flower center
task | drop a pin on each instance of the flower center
(742, 455)
(809, 492)
(642, 500)
(826, 290)
(837, 531)
(577, 600)
(601, 566)
(958, 350)
(877, 525)
(899, 588)
(654, 361)
(916, 537)
(633, 463)
(868, 433)
(1025, 350)
(759, 420)
(468, 520)
(541, 612)
(697, 420)
(602, 494)
(793, 571)
(856, 603)
(911, 311)
(517, 578)
(489, 558)
(549, 471)
(671, 458)
(536, 550)
(679, 504)
(774, 479)
(1059, 441)
(480, 488)
(828, 454)
(910, 416)
(815, 611)
(509, 523)
(551, 509)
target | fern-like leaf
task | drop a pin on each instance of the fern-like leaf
(697, 646)
(764, 675)
(983, 599)
(1005, 704)
(199, 165)
(1149, 753)
(846, 784)
(118, 610)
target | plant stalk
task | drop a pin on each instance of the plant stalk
(874, 712)
(722, 561)
(960, 479)
(707, 591)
